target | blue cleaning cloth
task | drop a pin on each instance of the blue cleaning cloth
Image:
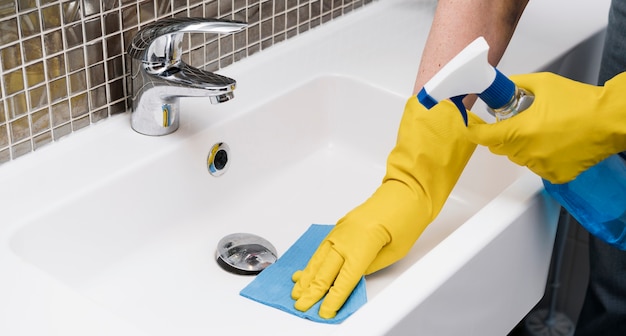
(273, 286)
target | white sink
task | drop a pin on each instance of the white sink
(306, 157)
(110, 232)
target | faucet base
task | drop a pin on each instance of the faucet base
(156, 118)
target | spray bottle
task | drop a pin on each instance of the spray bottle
(596, 198)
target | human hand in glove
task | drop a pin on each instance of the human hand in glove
(429, 156)
(569, 128)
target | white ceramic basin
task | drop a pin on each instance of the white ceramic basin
(150, 256)
(307, 157)
(110, 232)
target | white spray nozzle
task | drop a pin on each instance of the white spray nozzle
(469, 72)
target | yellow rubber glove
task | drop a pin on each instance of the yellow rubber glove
(569, 128)
(430, 154)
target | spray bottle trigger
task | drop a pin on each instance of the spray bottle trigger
(458, 102)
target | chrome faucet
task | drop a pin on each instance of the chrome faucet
(160, 77)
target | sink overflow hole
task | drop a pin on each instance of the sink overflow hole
(217, 160)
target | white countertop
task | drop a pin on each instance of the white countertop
(380, 43)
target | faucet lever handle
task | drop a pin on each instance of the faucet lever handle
(160, 41)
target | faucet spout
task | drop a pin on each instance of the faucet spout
(155, 103)
(160, 77)
(193, 78)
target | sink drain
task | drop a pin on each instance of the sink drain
(245, 253)
(217, 160)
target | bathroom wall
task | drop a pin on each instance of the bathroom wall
(62, 63)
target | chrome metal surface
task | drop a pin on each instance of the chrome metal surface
(245, 253)
(160, 77)
(218, 160)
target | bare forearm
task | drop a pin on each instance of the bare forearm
(458, 22)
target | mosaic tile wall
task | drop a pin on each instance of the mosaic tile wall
(62, 63)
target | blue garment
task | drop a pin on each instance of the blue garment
(604, 308)
(273, 286)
